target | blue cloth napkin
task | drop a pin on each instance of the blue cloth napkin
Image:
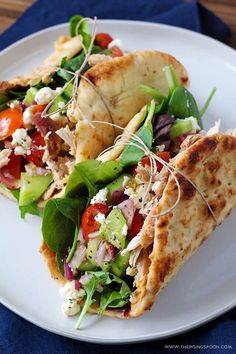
(186, 14)
(17, 335)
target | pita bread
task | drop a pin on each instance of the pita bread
(211, 164)
(169, 241)
(110, 92)
(65, 46)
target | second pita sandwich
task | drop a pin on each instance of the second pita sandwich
(45, 118)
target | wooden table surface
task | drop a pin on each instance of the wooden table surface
(10, 10)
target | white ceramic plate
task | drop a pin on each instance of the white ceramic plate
(206, 286)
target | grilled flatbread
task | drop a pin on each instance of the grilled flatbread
(110, 92)
(169, 241)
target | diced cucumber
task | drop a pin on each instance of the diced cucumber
(120, 264)
(30, 95)
(87, 266)
(117, 184)
(113, 230)
(106, 266)
(67, 93)
(92, 248)
(32, 187)
(55, 106)
(180, 128)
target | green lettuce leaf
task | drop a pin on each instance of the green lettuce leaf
(109, 297)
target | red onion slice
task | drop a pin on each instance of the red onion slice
(67, 271)
(110, 253)
(128, 209)
(77, 285)
(101, 252)
(118, 196)
(78, 257)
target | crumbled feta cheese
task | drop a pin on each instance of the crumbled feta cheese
(59, 90)
(4, 157)
(61, 104)
(68, 291)
(116, 42)
(45, 95)
(21, 141)
(125, 230)
(28, 115)
(14, 104)
(194, 123)
(100, 218)
(125, 181)
(100, 197)
(70, 307)
(215, 129)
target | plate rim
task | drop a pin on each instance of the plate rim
(145, 338)
(130, 22)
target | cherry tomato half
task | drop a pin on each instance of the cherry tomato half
(36, 152)
(103, 39)
(10, 174)
(136, 225)
(164, 155)
(38, 108)
(10, 120)
(88, 223)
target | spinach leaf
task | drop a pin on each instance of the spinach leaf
(4, 106)
(29, 209)
(133, 154)
(3, 98)
(182, 105)
(61, 217)
(83, 29)
(18, 94)
(88, 177)
(72, 65)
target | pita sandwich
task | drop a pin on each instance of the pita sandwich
(65, 122)
(172, 214)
